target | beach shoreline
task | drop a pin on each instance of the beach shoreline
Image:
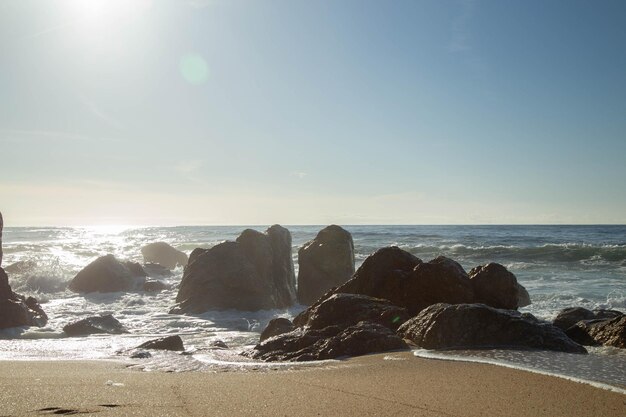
(383, 384)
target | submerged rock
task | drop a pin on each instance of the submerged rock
(570, 316)
(164, 254)
(174, 343)
(396, 275)
(325, 262)
(156, 270)
(107, 274)
(17, 310)
(154, 286)
(445, 326)
(607, 332)
(337, 325)
(495, 286)
(95, 325)
(249, 274)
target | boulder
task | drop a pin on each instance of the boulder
(325, 262)
(275, 327)
(95, 325)
(303, 344)
(154, 286)
(252, 273)
(337, 325)
(156, 270)
(607, 332)
(523, 298)
(107, 274)
(471, 326)
(17, 310)
(164, 254)
(395, 275)
(174, 343)
(572, 315)
(494, 285)
(1, 226)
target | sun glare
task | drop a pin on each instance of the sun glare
(92, 14)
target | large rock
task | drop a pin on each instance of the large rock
(572, 315)
(107, 274)
(17, 310)
(445, 326)
(337, 325)
(164, 254)
(95, 325)
(607, 332)
(325, 262)
(406, 281)
(1, 226)
(494, 285)
(174, 343)
(252, 273)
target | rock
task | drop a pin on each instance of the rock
(395, 275)
(1, 226)
(107, 274)
(156, 270)
(95, 325)
(164, 254)
(154, 286)
(275, 327)
(165, 343)
(607, 332)
(249, 274)
(445, 326)
(21, 267)
(325, 262)
(218, 344)
(345, 310)
(17, 310)
(495, 286)
(141, 354)
(304, 344)
(523, 298)
(337, 325)
(570, 316)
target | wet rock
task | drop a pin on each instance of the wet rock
(275, 327)
(218, 344)
(107, 274)
(495, 286)
(17, 310)
(395, 275)
(95, 325)
(156, 270)
(154, 286)
(141, 354)
(607, 332)
(249, 274)
(174, 343)
(445, 326)
(570, 316)
(164, 254)
(337, 325)
(1, 226)
(523, 298)
(325, 262)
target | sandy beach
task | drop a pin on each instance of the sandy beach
(367, 386)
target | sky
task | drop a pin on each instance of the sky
(209, 112)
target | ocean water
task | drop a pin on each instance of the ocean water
(561, 266)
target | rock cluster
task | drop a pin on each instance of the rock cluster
(253, 273)
(593, 328)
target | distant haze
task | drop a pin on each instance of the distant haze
(216, 112)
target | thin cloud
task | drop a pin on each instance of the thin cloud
(299, 174)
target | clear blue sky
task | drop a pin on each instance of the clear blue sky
(311, 112)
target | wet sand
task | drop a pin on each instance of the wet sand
(366, 386)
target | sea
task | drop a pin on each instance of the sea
(560, 266)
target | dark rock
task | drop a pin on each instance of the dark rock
(275, 327)
(249, 274)
(95, 325)
(495, 286)
(607, 332)
(395, 275)
(570, 316)
(345, 310)
(165, 343)
(218, 344)
(154, 286)
(17, 310)
(164, 254)
(523, 298)
(445, 326)
(141, 354)
(156, 270)
(325, 262)
(107, 274)
(304, 344)
(1, 226)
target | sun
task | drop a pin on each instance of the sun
(92, 14)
